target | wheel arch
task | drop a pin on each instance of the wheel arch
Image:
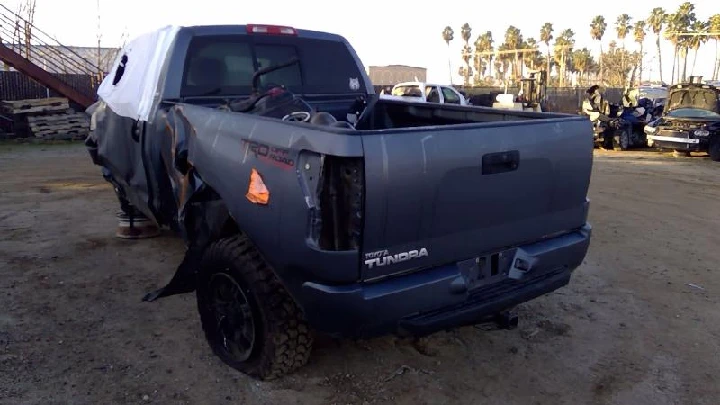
(204, 219)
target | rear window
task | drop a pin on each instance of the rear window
(224, 65)
(407, 91)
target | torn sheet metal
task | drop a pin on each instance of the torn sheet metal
(189, 168)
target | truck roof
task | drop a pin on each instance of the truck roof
(152, 66)
(242, 29)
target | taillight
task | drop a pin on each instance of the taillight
(270, 29)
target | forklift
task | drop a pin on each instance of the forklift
(532, 92)
(531, 95)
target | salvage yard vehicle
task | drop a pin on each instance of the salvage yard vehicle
(607, 127)
(425, 93)
(690, 121)
(620, 127)
(308, 204)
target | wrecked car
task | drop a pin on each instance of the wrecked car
(690, 121)
(308, 204)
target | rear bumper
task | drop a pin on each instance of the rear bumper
(440, 298)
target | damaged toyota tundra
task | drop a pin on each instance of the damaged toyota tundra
(308, 204)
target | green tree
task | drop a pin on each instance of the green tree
(546, 35)
(597, 31)
(656, 22)
(714, 27)
(448, 35)
(617, 68)
(639, 35)
(465, 34)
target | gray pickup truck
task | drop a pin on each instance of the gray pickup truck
(308, 204)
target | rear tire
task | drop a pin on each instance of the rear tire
(249, 319)
(714, 149)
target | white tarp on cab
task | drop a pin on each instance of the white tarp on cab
(133, 94)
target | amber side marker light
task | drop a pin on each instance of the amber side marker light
(257, 190)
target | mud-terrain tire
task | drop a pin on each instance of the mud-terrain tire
(277, 340)
(714, 149)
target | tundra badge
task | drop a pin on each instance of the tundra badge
(384, 258)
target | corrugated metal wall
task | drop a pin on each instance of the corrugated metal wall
(16, 86)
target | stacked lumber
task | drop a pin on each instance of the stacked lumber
(47, 118)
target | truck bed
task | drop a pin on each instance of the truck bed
(414, 186)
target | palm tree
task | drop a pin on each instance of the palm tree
(714, 27)
(478, 62)
(465, 34)
(513, 40)
(597, 30)
(581, 61)
(698, 27)
(530, 57)
(546, 36)
(622, 26)
(656, 21)
(563, 47)
(504, 62)
(483, 58)
(671, 21)
(639, 34)
(448, 35)
(685, 18)
(483, 45)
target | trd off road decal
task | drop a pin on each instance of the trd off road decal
(384, 258)
(277, 156)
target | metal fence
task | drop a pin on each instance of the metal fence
(17, 86)
(559, 99)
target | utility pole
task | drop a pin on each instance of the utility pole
(99, 38)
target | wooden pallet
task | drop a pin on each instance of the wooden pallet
(64, 135)
(59, 126)
(36, 105)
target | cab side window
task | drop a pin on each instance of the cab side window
(450, 96)
(433, 95)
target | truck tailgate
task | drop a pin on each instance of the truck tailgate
(437, 195)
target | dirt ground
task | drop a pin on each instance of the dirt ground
(639, 323)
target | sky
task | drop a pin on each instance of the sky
(383, 32)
